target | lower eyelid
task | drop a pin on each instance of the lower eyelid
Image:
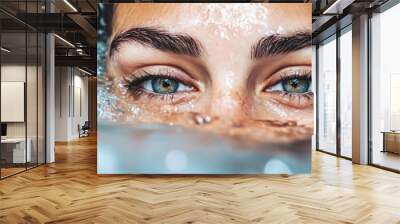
(144, 96)
(299, 100)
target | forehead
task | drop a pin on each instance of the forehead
(240, 17)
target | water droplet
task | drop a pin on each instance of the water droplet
(276, 166)
(176, 160)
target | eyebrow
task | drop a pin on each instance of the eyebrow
(159, 39)
(277, 44)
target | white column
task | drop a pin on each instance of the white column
(360, 90)
(50, 100)
(50, 92)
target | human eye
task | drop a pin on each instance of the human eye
(291, 86)
(161, 84)
(159, 81)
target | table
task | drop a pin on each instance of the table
(18, 149)
(391, 141)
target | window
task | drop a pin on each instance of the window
(385, 89)
(22, 77)
(346, 92)
(327, 96)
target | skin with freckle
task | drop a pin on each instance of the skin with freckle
(266, 99)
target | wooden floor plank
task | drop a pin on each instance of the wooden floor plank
(70, 191)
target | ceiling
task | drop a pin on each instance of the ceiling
(331, 15)
(75, 21)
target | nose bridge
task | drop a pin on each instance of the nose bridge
(228, 102)
(228, 69)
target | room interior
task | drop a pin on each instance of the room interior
(48, 154)
(22, 102)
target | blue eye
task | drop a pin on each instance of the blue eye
(296, 85)
(162, 85)
(301, 84)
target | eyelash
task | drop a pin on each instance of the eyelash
(295, 76)
(133, 85)
(135, 80)
(303, 74)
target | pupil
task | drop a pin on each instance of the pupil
(164, 86)
(165, 83)
(296, 85)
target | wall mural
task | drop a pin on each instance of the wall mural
(207, 88)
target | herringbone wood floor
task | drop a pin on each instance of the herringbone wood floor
(69, 191)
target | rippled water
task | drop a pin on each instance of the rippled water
(165, 149)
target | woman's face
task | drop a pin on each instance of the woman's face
(235, 63)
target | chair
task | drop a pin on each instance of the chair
(84, 130)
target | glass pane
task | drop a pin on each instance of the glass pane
(385, 86)
(41, 98)
(31, 98)
(32, 87)
(327, 96)
(13, 87)
(346, 94)
(23, 82)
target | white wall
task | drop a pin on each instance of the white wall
(13, 72)
(12, 101)
(61, 103)
(71, 94)
(33, 126)
(80, 110)
(16, 73)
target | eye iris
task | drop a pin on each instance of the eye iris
(296, 85)
(164, 86)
